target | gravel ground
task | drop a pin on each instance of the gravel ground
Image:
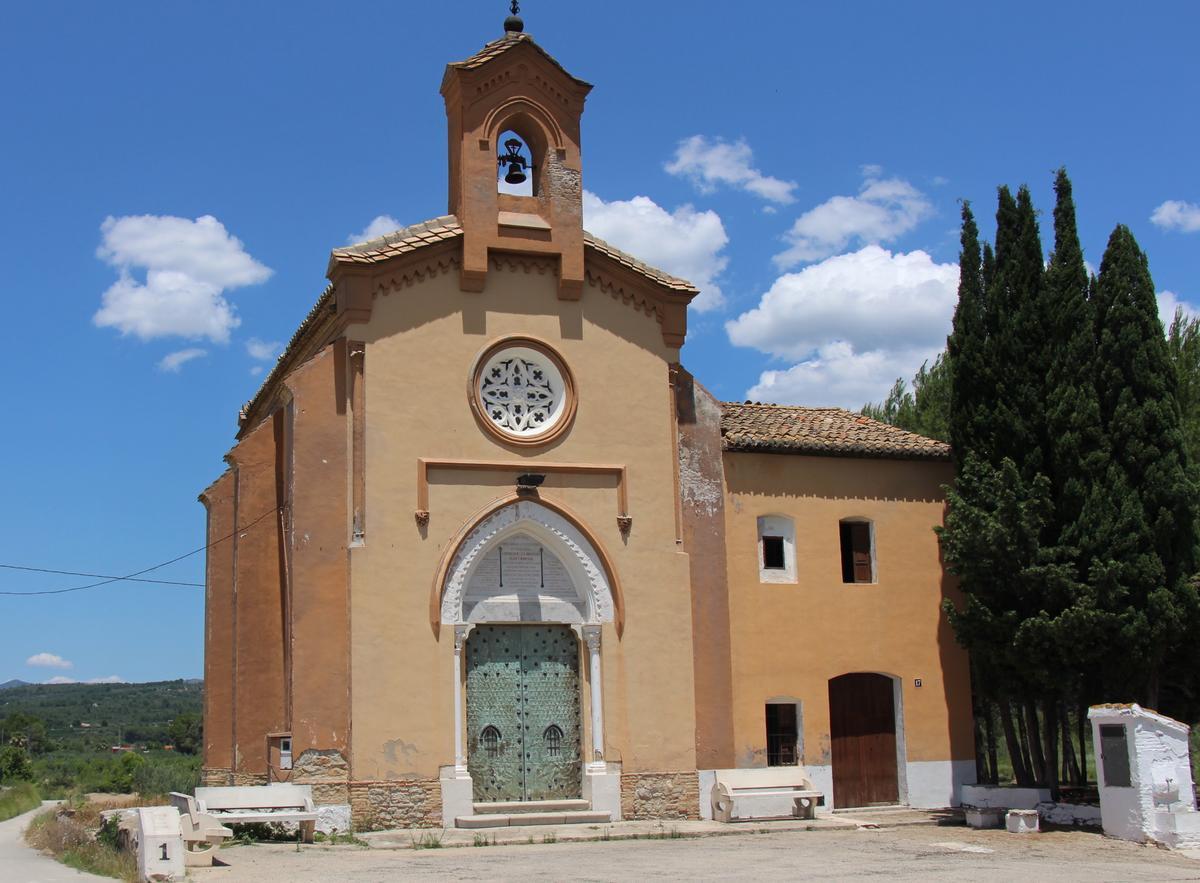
(903, 853)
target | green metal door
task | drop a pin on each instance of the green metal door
(523, 712)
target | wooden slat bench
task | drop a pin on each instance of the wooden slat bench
(736, 791)
(240, 805)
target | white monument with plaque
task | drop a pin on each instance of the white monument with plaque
(1143, 768)
(160, 844)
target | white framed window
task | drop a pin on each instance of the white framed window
(776, 549)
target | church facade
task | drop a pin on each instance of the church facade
(484, 542)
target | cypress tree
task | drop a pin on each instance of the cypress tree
(965, 348)
(1144, 584)
(1076, 461)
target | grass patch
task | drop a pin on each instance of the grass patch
(336, 839)
(550, 838)
(428, 840)
(75, 835)
(481, 839)
(20, 798)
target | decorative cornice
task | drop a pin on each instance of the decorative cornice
(526, 263)
(414, 274)
(628, 294)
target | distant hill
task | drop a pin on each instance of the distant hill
(93, 716)
(8, 685)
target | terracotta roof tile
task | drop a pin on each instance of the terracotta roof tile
(639, 266)
(447, 227)
(499, 47)
(823, 431)
(402, 241)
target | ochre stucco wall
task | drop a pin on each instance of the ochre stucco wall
(421, 343)
(789, 640)
(218, 625)
(259, 679)
(319, 569)
(702, 503)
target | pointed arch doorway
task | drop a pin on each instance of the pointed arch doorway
(522, 588)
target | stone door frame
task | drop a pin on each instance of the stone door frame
(593, 581)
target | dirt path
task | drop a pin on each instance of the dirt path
(21, 864)
(897, 854)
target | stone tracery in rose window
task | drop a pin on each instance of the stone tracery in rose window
(519, 395)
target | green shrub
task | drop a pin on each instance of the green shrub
(14, 764)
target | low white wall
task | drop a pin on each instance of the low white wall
(1081, 815)
(1003, 796)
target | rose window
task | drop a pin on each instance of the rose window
(521, 392)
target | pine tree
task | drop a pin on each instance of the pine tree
(1144, 583)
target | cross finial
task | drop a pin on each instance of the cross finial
(513, 24)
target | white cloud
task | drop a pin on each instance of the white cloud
(172, 362)
(849, 325)
(382, 225)
(59, 679)
(708, 162)
(49, 660)
(188, 267)
(263, 351)
(109, 679)
(837, 375)
(1175, 214)
(685, 242)
(884, 209)
(255, 370)
(1168, 301)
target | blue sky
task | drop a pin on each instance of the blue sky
(801, 161)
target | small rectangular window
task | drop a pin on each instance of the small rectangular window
(782, 735)
(772, 552)
(1114, 753)
(857, 563)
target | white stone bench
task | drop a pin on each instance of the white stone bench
(279, 802)
(202, 833)
(737, 794)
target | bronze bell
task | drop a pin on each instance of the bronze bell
(515, 175)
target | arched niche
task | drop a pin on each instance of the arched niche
(555, 573)
(540, 136)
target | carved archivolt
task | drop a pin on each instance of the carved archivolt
(549, 528)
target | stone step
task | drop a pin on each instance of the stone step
(518, 819)
(508, 807)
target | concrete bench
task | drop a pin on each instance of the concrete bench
(276, 803)
(202, 833)
(737, 794)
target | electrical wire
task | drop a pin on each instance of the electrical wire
(161, 582)
(131, 577)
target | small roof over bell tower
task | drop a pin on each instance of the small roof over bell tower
(512, 85)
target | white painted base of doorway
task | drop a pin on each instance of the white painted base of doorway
(602, 788)
(458, 795)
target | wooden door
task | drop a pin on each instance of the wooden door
(862, 730)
